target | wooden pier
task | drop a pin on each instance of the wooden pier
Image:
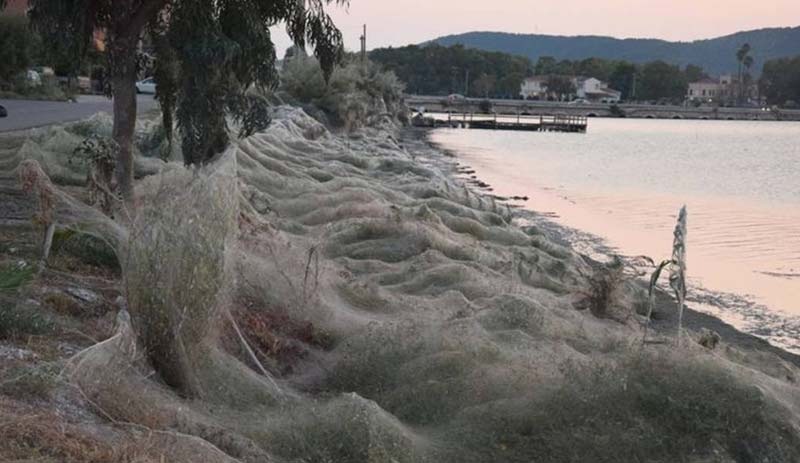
(541, 123)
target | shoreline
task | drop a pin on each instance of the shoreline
(379, 290)
(665, 313)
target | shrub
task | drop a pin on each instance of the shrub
(357, 93)
(172, 282)
(36, 382)
(648, 408)
(601, 294)
(16, 321)
(14, 276)
(87, 248)
(98, 154)
(19, 41)
(616, 111)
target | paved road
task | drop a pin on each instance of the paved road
(24, 114)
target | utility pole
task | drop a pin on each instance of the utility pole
(466, 83)
(364, 45)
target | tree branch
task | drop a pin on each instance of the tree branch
(143, 14)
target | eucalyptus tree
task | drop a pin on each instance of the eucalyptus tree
(209, 53)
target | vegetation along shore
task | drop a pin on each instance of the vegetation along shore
(274, 267)
(344, 275)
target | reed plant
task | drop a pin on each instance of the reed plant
(677, 277)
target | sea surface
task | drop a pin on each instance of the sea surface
(624, 181)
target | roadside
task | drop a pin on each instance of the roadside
(28, 114)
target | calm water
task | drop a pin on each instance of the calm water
(625, 180)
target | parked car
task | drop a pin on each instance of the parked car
(146, 86)
(3, 112)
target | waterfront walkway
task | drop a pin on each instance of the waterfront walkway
(642, 111)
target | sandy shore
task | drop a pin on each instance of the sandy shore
(665, 313)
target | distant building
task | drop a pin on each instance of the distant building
(723, 90)
(706, 90)
(595, 90)
(587, 88)
(534, 88)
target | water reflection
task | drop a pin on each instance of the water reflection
(625, 180)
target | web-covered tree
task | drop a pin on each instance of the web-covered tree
(209, 54)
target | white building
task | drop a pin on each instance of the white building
(706, 89)
(595, 90)
(534, 87)
(587, 88)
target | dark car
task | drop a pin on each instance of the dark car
(3, 112)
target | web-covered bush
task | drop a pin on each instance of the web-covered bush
(357, 94)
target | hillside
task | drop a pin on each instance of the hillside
(715, 55)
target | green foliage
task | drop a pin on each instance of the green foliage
(17, 50)
(662, 81)
(591, 67)
(209, 53)
(616, 111)
(30, 382)
(437, 70)
(153, 142)
(66, 28)
(18, 321)
(85, 247)
(655, 80)
(484, 85)
(47, 91)
(780, 81)
(623, 78)
(95, 150)
(14, 276)
(356, 94)
(165, 72)
(560, 85)
(98, 153)
(221, 52)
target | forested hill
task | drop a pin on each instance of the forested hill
(716, 56)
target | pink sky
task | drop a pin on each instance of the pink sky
(401, 22)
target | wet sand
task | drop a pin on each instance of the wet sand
(595, 248)
(744, 228)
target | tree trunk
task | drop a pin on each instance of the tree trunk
(123, 81)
